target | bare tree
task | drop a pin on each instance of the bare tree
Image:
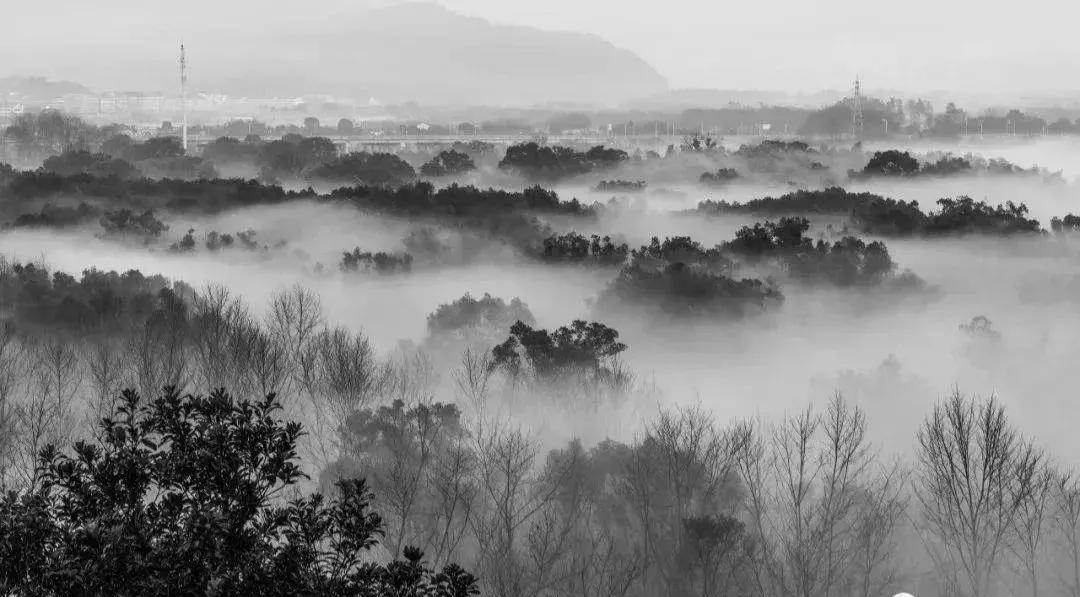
(1032, 516)
(108, 371)
(522, 530)
(13, 370)
(218, 321)
(969, 490)
(684, 468)
(1066, 526)
(823, 514)
(294, 319)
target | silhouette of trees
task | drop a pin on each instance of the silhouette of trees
(620, 186)
(179, 494)
(891, 162)
(720, 177)
(448, 163)
(381, 262)
(126, 222)
(364, 168)
(976, 476)
(1064, 225)
(575, 248)
(477, 321)
(543, 162)
(95, 164)
(54, 216)
(587, 348)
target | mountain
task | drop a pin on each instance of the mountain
(400, 52)
(38, 88)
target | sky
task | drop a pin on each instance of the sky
(810, 45)
(789, 45)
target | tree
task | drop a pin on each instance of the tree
(448, 163)
(184, 495)
(345, 126)
(972, 484)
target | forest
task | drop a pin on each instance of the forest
(775, 368)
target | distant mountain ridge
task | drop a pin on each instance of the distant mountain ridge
(401, 52)
(38, 87)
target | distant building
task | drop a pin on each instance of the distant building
(8, 111)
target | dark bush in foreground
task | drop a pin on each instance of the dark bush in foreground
(179, 496)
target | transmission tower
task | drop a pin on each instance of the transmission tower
(856, 110)
(183, 95)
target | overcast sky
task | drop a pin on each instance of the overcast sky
(815, 44)
(795, 45)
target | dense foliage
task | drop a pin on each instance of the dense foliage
(379, 263)
(620, 186)
(364, 168)
(543, 162)
(580, 348)
(448, 163)
(720, 177)
(97, 300)
(180, 495)
(575, 248)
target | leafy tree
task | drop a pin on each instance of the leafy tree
(1067, 224)
(448, 163)
(362, 167)
(125, 221)
(184, 495)
(620, 186)
(470, 316)
(892, 162)
(83, 162)
(581, 347)
(381, 262)
(720, 177)
(552, 163)
(575, 248)
(345, 126)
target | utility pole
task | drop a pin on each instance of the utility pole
(183, 95)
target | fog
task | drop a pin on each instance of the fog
(894, 356)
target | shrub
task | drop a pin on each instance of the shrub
(177, 497)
